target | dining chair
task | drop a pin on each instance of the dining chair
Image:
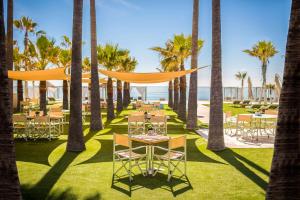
(57, 122)
(245, 125)
(126, 156)
(136, 124)
(42, 127)
(230, 122)
(175, 155)
(159, 124)
(20, 126)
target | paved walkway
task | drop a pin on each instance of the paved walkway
(203, 112)
(234, 142)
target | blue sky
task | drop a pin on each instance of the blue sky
(140, 24)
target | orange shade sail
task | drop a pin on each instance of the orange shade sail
(156, 77)
(38, 75)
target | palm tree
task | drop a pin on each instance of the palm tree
(250, 93)
(192, 102)
(284, 178)
(18, 59)
(241, 76)
(216, 134)
(110, 57)
(263, 50)
(96, 120)
(65, 61)
(46, 53)
(128, 66)
(10, 185)
(75, 138)
(26, 25)
(10, 45)
(270, 87)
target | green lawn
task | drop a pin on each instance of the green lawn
(234, 109)
(48, 172)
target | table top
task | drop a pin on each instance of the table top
(150, 139)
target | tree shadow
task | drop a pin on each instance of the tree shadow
(66, 194)
(231, 157)
(177, 185)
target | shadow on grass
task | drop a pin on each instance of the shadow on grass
(233, 159)
(66, 194)
(176, 186)
(42, 189)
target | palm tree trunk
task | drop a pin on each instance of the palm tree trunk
(65, 95)
(284, 180)
(19, 95)
(26, 89)
(43, 101)
(170, 92)
(110, 101)
(10, 47)
(242, 90)
(216, 134)
(193, 92)
(96, 119)
(125, 94)
(182, 101)
(9, 180)
(264, 72)
(119, 96)
(75, 138)
(176, 95)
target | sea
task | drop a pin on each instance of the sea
(149, 92)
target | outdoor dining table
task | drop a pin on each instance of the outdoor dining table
(150, 141)
(259, 119)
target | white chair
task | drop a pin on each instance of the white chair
(245, 126)
(20, 126)
(172, 158)
(127, 157)
(136, 124)
(42, 127)
(230, 122)
(159, 124)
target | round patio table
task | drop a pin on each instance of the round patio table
(150, 141)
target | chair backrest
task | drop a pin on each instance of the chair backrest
(158, 119)
(177, 142)
(137, 113)
(33, 113)
(228, 114)
(147, 108)
(244, 118)
(56, 114)
(136, 118)
(19, 118)
(42, 119)
(122, 140)
(56, 109)
(158, 112)
(271, 112)
(156, 104)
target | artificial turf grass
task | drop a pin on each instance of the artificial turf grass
(47, 171)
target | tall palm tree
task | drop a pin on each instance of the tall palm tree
(216, 134)
(18, 59)
(128, 67)
(28, 26)
(96, 119)
(65, 61)
(241, 76)
(250, 93)
(270, 87)
(192, 102)
(10, 45)
(10, 185)
(109, 56)
(263, 50)
(75, 138)
(46, 53)
(285, 175)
